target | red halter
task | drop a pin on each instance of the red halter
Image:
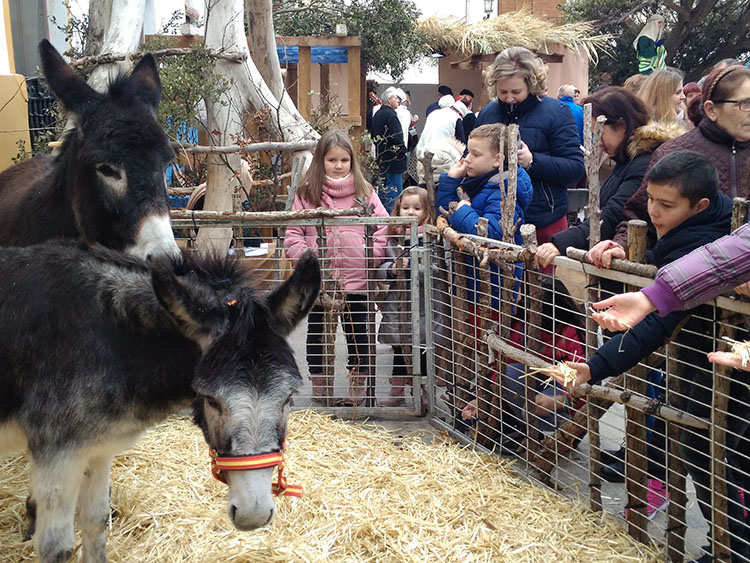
(280, 487)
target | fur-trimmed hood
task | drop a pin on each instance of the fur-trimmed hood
(647, 138)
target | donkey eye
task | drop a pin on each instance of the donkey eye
(108, 171)
(213, 403)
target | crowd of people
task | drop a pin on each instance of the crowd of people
(678, 154)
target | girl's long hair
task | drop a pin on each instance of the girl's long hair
(311, 187)
(657, 91)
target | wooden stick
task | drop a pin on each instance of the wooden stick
(281, 146)
(429, 181)
(626, 266)
(107, 58)
(224, 217)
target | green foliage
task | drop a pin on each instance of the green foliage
(186, 80)
(22, 153)
(390, 40)
(706, 40)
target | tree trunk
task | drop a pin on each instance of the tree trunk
(259, 14)
(123, 36)
(249, 92)
(99, 17)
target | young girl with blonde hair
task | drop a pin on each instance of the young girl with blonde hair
(335, 181)
(412, 202)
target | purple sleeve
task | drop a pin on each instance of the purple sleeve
(703, 274)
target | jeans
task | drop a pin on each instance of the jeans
(389, 188)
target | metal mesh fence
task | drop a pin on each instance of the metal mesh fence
(662, 445)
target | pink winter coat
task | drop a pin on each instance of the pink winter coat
(346, 243)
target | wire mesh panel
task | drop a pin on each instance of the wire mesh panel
(659, 440)
(360, 350)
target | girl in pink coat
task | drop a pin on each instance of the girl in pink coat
(334, 181)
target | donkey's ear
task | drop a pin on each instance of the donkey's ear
(65, 83)
(146, 76)
(291, 302)
(195, 308)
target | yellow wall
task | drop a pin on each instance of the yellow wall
(14, 117)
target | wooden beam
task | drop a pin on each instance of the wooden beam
(332, 41)
(304, 81)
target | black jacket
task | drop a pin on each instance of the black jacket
(620, 185)
(626, 349)
(390, 149)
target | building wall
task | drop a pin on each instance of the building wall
(14, 117)
(543, 9)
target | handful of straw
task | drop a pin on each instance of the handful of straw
(740, 349)
(568, 374)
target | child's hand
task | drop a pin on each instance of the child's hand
(603, 253)
(458, 170)
(743, 289)
(583, 374)
(624, 311)
(545, 254)
(470, 411)
(729, 359)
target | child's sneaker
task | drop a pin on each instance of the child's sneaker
(656, 498)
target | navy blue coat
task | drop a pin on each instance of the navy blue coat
(626, 349)
(550, 131)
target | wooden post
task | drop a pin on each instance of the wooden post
(355, 87)
(505, 274)
(592, 147)
(304, 81)
(429, 181)
(676, 475)
(331, 300)
(486, 426)
(532, 334)
(635, 421)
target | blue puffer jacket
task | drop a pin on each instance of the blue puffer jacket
(549, 130)
(485, 203)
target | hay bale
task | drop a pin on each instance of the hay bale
(368, 497)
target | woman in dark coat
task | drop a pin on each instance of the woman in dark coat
(629, 139)
(550, 148)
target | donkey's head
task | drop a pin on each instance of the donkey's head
(247, 375)
(112, 163)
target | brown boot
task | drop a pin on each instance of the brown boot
(396, 395)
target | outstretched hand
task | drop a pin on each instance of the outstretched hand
(729, 359)
(583, 375)
(623, 311)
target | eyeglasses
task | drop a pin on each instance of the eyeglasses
(744, 105)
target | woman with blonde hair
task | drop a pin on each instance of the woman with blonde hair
(549, 147)
(662, 93)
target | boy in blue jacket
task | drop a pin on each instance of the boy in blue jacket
(687, 211)
(479, 175)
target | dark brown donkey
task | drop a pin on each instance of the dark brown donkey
(106, 185)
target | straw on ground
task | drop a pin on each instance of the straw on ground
(369, 496)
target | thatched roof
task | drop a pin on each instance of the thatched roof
(507, 30)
